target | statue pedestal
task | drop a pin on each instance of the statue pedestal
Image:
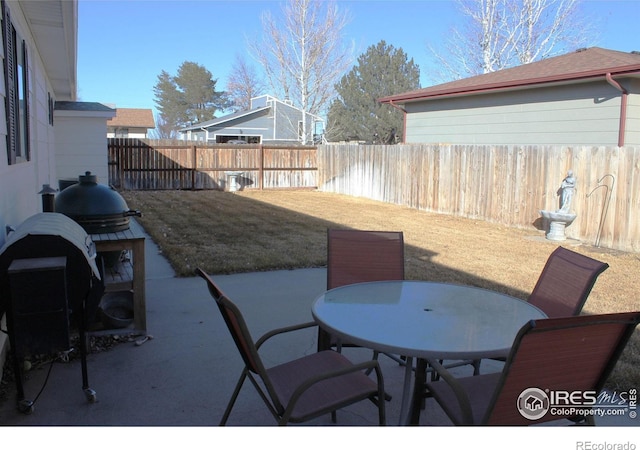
(556, 231)
(558, 221)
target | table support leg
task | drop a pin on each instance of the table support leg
(406, 392)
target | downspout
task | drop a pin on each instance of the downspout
(404, 120)
(623, 108)
(206, 134)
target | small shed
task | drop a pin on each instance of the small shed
(81, 139)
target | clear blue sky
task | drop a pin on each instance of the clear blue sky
(123, 45)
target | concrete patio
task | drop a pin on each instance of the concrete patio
(186, 373)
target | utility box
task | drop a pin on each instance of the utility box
(39, 306)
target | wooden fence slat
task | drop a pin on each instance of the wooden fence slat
(508, 185)
(158, 165)
(503, 184)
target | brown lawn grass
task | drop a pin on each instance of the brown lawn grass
(265, 230)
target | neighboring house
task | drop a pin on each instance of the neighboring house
(588, 97)
(269, 121)
(130, 123)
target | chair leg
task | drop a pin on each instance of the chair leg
(375, 358)
(367, 372)
(233, 398)
(382, 415)
(476, 367)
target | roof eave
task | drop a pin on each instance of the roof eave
(221, 120)
(629, 71)
(54, 26)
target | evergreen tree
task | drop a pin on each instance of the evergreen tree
(170, 107)
(356, 114)
(189, 97)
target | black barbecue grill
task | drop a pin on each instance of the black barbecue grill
(96, 207)
(49, 283)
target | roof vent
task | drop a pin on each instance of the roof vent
(635, 52)
(580, 50)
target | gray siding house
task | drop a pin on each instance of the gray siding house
(269, 121)
(588, 97)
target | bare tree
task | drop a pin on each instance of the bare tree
(304, 56)
(243, 85)
(550, 27)
(498, 34)
(163, 129)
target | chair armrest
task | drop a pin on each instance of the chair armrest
(277, 331)
(461, 395)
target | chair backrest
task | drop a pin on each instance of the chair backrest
(569, 354)
(237, 326)
(565, 283)
(356, 256)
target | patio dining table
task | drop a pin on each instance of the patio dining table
(420, 319)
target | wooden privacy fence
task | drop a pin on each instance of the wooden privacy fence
(503, 184)
(141, 164)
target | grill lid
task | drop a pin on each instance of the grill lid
(97, 208)
(53, 224)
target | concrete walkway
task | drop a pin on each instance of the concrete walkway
(184, 376)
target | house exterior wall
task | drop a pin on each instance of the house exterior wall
(579, 114)
(287, 119)
(256, 126)
(632, 135)
(21, 182)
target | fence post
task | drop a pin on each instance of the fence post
(261, 167)
(194, 165)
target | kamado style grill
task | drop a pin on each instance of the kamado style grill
(96, 207)
(100, 209)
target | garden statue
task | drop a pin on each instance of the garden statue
(561, 218)
(567, 189)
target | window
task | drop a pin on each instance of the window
(121, 132)
(17, 91)
(223, 139)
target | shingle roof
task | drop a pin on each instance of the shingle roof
(81, 106)
(583, 64)
(133, 118)
(223, 119)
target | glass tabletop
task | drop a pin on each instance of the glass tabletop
(424, 319)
